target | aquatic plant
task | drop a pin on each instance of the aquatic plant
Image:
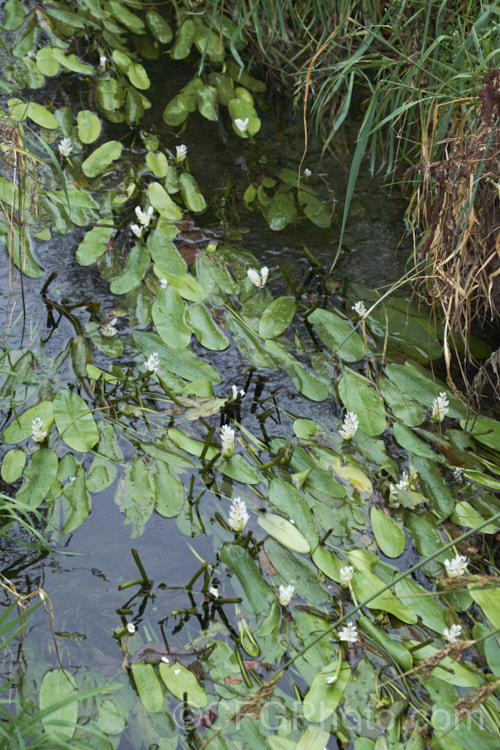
(291, 506)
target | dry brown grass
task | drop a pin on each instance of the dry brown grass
(456, 207)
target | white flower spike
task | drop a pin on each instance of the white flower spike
(349, 633)
(346, 575)
(440, 407)
(180, 153)
(136, 229)
(242, 124)
(153, 362)
(457, 566)
(350, 426)
(453, 633)
(102, 64)
(163, 283)
(227, 439)
(307, 172)
(238, 515)
(65, 147)
(285, 595)
(236, 392)
(214, 591)
(360, 309)
(144, 217)
(37, 434)
(109, 329)
(131, 628)
(258, 279)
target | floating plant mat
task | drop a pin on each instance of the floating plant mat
(327, 496)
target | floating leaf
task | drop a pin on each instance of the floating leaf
(388, 535)
(168, 316)
(297, 571)
(58, 685)
(71, 62)
(136, 496)
(241, 564)
(397, 651)
(163, 251)
(338, 335)
(183, 40)
(38, 478)
(160, 199)
(402, 405)
(195, 447)
(359, 396)
(205, 329)
(285, 498)
(284, 532)
(74, 421)
(465, 515)
(484, 430)
(423, 602)
(187, 286)
(281, 211)
(183, 363)
(322, 699)
(489, 601)
(148, 686)
(180, 680)
(407, 439)
(89, 126)
(277, 317)
(79, 501)
(36, 112)
(13, 14)
(157, 163)
(138, 76)
(238, 468)
(21, 427)
(169, 491)
(434, 487)
(13, 464)
(421, 387)
(207, 98)
(136, 265)
(93, 245)
(159, 27)
(365, 584)
(191, 193)
(307, 383)
(100, 159)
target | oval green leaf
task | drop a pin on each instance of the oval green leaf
(277, 317)
(180, 680)
(101, 158)
(20, 428)
(58, 685)
(74, 421)
(148, 686)
(284, 532)
(13, 464)
(168, 316)
(338, 335)
(359, 396)
(205, 329)
(388, 535)
(160, 199)
(89, 126)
